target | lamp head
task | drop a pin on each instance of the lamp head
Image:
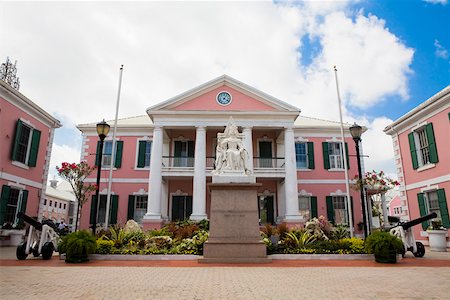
(356, 132)
(102, 129)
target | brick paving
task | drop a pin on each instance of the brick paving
(412, 278)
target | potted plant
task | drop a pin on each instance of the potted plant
(384, 246)
(437, 236)
(77, 246)
(16, 232)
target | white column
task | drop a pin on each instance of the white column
(199, 195)
(248, 144)
(155, 177)
(290, 181)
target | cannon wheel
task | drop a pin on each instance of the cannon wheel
(20, 251)
(47, 250)
(420, 250)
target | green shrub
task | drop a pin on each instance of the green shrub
(383, 244)
(77, 246)
(356, 245)
(104, 246)
(340, 232)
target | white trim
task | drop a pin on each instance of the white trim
(141, 192)
(300, 139)
(322, 181)
(119, 180)
(16, 185)
(426, 167)
(428, 182)
(19, 164)
(430, 188)
(304, 193)
(340, 193)
(21, 180)
(336, 170)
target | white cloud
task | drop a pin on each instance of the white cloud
(440, 51)
(69, 57)
(62, 153)
(443, 2)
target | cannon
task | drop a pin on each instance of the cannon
(42, 239)
(403, 230)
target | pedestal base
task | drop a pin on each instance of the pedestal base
(234, 225)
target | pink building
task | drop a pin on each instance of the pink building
(395, 207)
(26, 137)
(165, 158)
(59, 203)
(421, 141)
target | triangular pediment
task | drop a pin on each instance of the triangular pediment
(243, 98)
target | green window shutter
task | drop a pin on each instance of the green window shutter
(113, 209)
(353, 211)
(330, 210)
(92, 216)
(119, 150)
(97, 154)
(4, 202)
(346, 154)
(141, 154)
(422, 209)
(431, 143)
(34, 148)
(130, 215)
(16, 140)
(310, 155)
(177, 149)
(326, 157)
(442, 200)
(314, 207)
(191, 148)
(412, 148)
(23, 205)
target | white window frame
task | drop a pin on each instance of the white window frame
(333, 199)
(333, 158)
(308, 200)
(306, 155)
(145, 200)
(428, 203)
(422, 151)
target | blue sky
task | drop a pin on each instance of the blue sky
(391, 56)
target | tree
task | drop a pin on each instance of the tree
(76, 174)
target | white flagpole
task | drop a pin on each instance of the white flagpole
(347, 187)
(113, 152)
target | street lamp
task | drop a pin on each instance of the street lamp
(356, 132)
(102, 131)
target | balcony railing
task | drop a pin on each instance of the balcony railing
(188, 162)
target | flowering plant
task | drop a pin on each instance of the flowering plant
(76, 174)
(375, 181)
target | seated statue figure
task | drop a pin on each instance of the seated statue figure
(230, 152)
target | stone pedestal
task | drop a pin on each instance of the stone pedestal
(234, 225)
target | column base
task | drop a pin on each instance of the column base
(149, 224)
(198, 217)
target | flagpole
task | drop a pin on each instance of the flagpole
(113, 151)
(347, 187)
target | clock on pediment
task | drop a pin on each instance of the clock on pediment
(223, 98)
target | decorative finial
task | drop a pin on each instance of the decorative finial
(8, 74)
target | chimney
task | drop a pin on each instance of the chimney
(54, 183)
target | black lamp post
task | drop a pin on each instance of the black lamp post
(102, 131)
(356, 132)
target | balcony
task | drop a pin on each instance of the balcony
(184, 166)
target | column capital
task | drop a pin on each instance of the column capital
(248, 127)
(288, 128)
(200, 127)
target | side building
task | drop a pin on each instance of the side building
(421, 140)
(26, 137)
(165, 158)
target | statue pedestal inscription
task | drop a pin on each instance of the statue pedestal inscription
(234, 225)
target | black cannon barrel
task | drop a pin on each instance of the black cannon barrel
(30, 220)
(417, 221)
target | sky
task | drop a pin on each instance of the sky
(390, 55)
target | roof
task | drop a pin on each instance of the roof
(27, 103)
(60, 192)
(129, 122)
(303, 121)
(442, 97)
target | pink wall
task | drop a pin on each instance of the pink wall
(441, 127)
(240, 102)
(8, 122)
(395, 202)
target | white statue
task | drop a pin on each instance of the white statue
(231, 156)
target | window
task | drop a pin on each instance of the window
(140, 207)
(335, 154)
(423, 146)
(56, 204)
(50, 203)
(60, 204)
(304, 207)
(397, 210)
(101, 209)
(434, 201)
(183, 154)
(45, 201)
(144, 154)
(301, 155)
(340, 210)
(26, 144)
(107, 153)
(12, 202)
(64, 205)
